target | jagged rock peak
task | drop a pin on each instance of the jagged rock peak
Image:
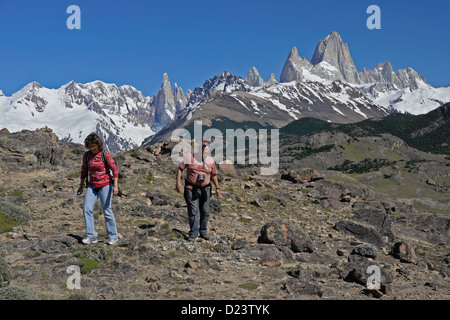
(294, 67)
(335, 52)
(165, 107)
(382, 74)
(271, 81)
(410, 78)
(253, 78)
(179, 97)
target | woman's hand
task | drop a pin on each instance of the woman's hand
(80, 189)
(116, 190)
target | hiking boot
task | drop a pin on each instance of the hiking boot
(204, 236)
(89, 240)
(113, 242)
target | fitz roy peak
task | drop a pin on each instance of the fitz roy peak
(403, 91)
(336, 53)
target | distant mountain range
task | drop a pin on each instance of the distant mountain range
(328, 88)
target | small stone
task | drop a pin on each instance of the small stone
(374, 292)
(365, 250)
(342, 253)
(192, 264)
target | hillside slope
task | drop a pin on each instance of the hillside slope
(271, 238)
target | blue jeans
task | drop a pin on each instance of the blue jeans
(105, 194)
(198, 205)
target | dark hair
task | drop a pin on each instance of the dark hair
(93, 138)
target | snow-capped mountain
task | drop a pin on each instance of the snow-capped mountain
(123, 116)
(227, 97)
(328, 87)
(404, 90)
(119, 114)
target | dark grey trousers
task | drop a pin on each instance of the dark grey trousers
(198, 205)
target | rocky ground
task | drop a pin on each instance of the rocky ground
(296, 236)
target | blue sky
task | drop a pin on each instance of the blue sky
(135, 42)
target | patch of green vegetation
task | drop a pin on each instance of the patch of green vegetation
(279, 200)
(367, 165)
(305, 126)
(88, 264)
(249, 286)
(12, 216)
(16, 293)
(134, 154)
(17, 193)
(428, 132)
(424, 207)
(5, 273)
(146, 179)
(6, 224)
(306, 151)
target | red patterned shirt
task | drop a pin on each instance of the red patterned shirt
(98, 177)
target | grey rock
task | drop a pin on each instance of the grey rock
(404, 252)
(294, 66)
(253, 78)
(284, 234)
(361, 232)
(164, 104)
(366, 250)
(272, 81)
(333, 51)
(298, 287)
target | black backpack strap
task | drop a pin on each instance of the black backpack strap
(86, 159)
(86, 156)
(105, 162)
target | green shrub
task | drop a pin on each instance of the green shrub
(11, 216)
(16, 293)
(88, 265)
(5, 273)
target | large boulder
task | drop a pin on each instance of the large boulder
(302, 175)
(370, 223)
(285, 234)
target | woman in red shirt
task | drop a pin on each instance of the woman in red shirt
(101, 185)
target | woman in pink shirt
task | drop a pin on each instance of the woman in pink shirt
(101, 184)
